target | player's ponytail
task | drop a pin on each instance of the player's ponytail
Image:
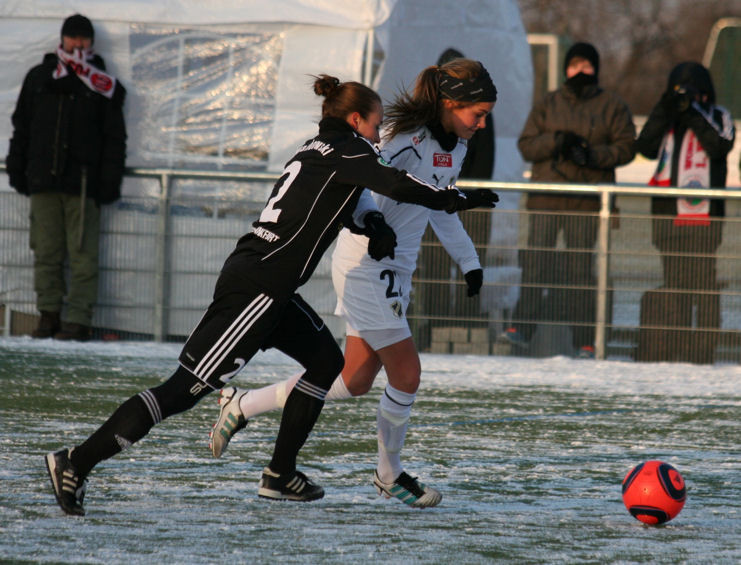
(411, 111)
(343, 98)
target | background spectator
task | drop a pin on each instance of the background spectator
(577, 134)
(67, 153)
(691, 137)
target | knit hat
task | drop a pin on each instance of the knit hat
(585, 51)
(694, 75)
(78, 26)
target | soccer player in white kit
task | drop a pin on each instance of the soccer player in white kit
(426, 135)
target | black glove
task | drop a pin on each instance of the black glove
(579, 153)
(572, 147)
(381, 237)
(564, 140)
(465, 199)
(474, 280)
(673, 104)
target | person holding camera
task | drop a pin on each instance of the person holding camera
(691, 137)
(576, 134)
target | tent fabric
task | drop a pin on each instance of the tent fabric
(355, 14)
(228, 86)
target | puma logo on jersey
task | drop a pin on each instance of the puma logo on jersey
(442, 160)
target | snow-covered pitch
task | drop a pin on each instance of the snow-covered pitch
(529, 455)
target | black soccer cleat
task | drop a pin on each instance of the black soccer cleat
(69, 487)
(294, 486)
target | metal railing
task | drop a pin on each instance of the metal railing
(606, 194)
(164, 206)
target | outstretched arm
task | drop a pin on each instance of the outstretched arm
(361, 165)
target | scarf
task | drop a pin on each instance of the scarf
(694, 172)
(581, 84)
(91, 76)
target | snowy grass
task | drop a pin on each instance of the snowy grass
(529, 455)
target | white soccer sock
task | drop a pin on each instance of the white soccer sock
(392, 417)
(271, 397)
(338, 390)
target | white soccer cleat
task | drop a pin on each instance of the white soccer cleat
(230, 420)
(409, 490)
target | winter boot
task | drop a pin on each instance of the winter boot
(49, 324)
(72, 331)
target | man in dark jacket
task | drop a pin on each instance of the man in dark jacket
(576, 134)
(67, 153)
(691, 137)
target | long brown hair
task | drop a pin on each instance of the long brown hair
(409, 112)
(343, 98)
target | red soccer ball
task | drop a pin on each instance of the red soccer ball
(654, 492)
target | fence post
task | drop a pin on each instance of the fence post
(603, 246)
(160, 271)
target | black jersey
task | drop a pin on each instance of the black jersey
(312, 201)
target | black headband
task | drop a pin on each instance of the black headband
(478, 89)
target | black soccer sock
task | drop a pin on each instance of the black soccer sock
(300, 413)
(134, 418)
(128, 424)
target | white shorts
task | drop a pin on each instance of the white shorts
(371, 298)
(378, 339)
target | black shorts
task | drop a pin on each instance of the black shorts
(237, 325)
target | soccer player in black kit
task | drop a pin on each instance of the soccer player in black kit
(255, 305)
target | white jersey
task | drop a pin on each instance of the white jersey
(420, 154)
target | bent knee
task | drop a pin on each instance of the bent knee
(359, 387)
(408, 382)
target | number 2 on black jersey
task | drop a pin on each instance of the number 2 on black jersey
(270, 213)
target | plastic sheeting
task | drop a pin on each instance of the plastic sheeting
(358, 14)
(228, 86)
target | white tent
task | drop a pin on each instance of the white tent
(226, 85)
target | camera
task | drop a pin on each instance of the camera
(683, 95)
